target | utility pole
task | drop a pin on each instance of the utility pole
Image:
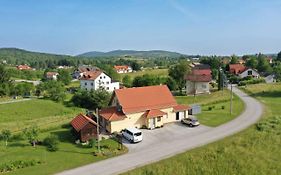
(98, 129)
(231, 98)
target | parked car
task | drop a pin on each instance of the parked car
(134, 135)
(191, 121)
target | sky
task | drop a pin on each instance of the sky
(205, 27)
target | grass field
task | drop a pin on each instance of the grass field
(253, 151)
(68, 156)
(43, 113)
(219, 102)
(158, 72)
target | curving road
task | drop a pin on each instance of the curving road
(155, 152)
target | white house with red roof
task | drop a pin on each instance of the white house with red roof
(141, 107)
(197, 82)
(52, 75)
(123, 69)
(93, 80)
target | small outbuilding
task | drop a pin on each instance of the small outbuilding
(84, 127)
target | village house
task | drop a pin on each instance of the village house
(78, 73)
(123, 69)
(24, 67)
(93, 80)
(242, 71)
(198, 80)
(52, 75)
(141, 107)
(84, 127)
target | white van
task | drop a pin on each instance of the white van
(132, 134)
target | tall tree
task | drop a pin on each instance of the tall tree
(64, 76)
(279, 56)
(31, 134)
(263, 64)
(234, 59)
(252, 62)
(5, 83)
(178, 73)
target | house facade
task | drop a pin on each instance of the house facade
(24, 67)
(143, 107)
(197, 82)
(94, 80)
(123, 69)
(52, 75)
(78, 73)
(84, 127)
(248, 72)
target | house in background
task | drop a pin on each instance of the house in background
(84, 127)
(52, 75)
(269, 59)
(236, 69)
(248, 72)
(24, 67)
(123, 69)
(197, 82)
(141, 107)
(93, 80)
(78, 73)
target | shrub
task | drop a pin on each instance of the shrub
(18, 164)
(92, 142)
(210, 108)
(51, 142)
(222, 107)
(270, 125)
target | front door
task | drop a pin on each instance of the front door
(152, 123)
(177, 116)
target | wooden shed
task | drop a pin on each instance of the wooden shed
(85, 128)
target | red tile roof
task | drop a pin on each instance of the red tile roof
(236, 68)
(112, 114)
(80, 121)
(154, 113)
(201, 72)
(179, 108)
(50, 74)
(141, 99)
(199, 78)
(124, 67)
(23, 67)
(91, 75)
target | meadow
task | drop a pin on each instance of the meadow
(157, 72)
(255, 150)
(215, 107)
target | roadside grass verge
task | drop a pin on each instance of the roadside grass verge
(253, 151)
(68, 156)
(215, 107)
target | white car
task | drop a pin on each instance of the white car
(190, 121)
(134, 135)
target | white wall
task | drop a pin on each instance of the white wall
(198, 87)
(102, 81)
(246, 73)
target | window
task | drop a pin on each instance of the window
(204, 86)
(100, 77)
(104, 77)
(158, 119)
(250, 72)
(107, 88)
(107, 82)
(92, 84)
(85, 83)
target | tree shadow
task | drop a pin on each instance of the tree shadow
(273, 94)
(17, 144)
(64, 136)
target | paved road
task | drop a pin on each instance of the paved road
(14, 101)
(35, 82)
(163, 149)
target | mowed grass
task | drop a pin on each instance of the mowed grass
(249, 152)
(215, 107)
(43, 113)
(68, 156)
(158, 72)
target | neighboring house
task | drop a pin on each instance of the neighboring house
(270, 78)
(248, 72)
(123, 69)
(78, 73)
(241, 61)
(24, 67)
(236, 69)
(141, 107)
(197, 82)
(52, 75)
(270, 60)
(94, 80)
(84, 127)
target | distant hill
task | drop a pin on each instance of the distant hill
(122, 53)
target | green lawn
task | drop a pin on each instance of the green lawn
(253, 151)
(158, 72)
(219, 102)
(44, 113)
(68, 156)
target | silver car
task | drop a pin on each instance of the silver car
(190, 121)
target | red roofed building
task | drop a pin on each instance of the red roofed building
(149, 107)
(84, 127)
(123, 69)
(24, 67)
(52, 75)
(236, 69)
(197, 82)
